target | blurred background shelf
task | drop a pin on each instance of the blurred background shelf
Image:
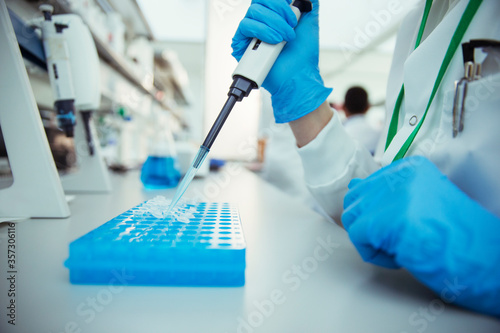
(140, 87)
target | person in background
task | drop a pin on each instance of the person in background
(356, 124)
(429, 199)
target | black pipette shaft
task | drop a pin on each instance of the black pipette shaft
(219, 122)
(239, 89)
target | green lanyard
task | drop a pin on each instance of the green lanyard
(464, 23)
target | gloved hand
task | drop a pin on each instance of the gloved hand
(294, 81)
(409, 214)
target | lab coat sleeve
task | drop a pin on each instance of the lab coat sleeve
(330, 161)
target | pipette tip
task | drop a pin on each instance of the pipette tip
(188, 177)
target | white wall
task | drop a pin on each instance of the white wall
(355, 24)
(176, 20)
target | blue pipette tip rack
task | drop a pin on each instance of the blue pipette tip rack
(208, 249)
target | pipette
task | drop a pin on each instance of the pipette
(250, 73)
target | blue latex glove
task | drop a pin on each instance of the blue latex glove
(294, 81)
(409, 214)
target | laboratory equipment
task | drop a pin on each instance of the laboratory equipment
(160, 172)
(472, 72)
(161, 169)
(206, 250)
(59, 68)
(141, 51)
(36, 190)
(250, 73)
(186, 152)
(73, 66)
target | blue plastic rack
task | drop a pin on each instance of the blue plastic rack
(208, 250)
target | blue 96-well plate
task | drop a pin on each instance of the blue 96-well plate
(207, 250)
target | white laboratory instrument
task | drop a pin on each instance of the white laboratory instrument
(36, 190)
(73, 66)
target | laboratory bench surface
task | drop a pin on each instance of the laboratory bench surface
(302, 275)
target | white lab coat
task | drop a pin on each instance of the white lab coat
(471, 160)
(359, 128)
(282, 166)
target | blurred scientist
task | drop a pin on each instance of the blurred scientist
(431, 203)
(356, 124)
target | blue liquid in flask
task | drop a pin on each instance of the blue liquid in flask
(160, 172)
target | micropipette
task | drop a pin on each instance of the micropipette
(250, 73)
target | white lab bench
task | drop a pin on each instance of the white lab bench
(295, 281)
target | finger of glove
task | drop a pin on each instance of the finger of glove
(379, 184)
(352, 195)
(249, 29)
(361, 235)
(277, 25)
(351, 212)
(354, 182)
(270, 21)
(383, 259)
(363, 190)
(280, 7)
(239, 46)
(360, 201)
